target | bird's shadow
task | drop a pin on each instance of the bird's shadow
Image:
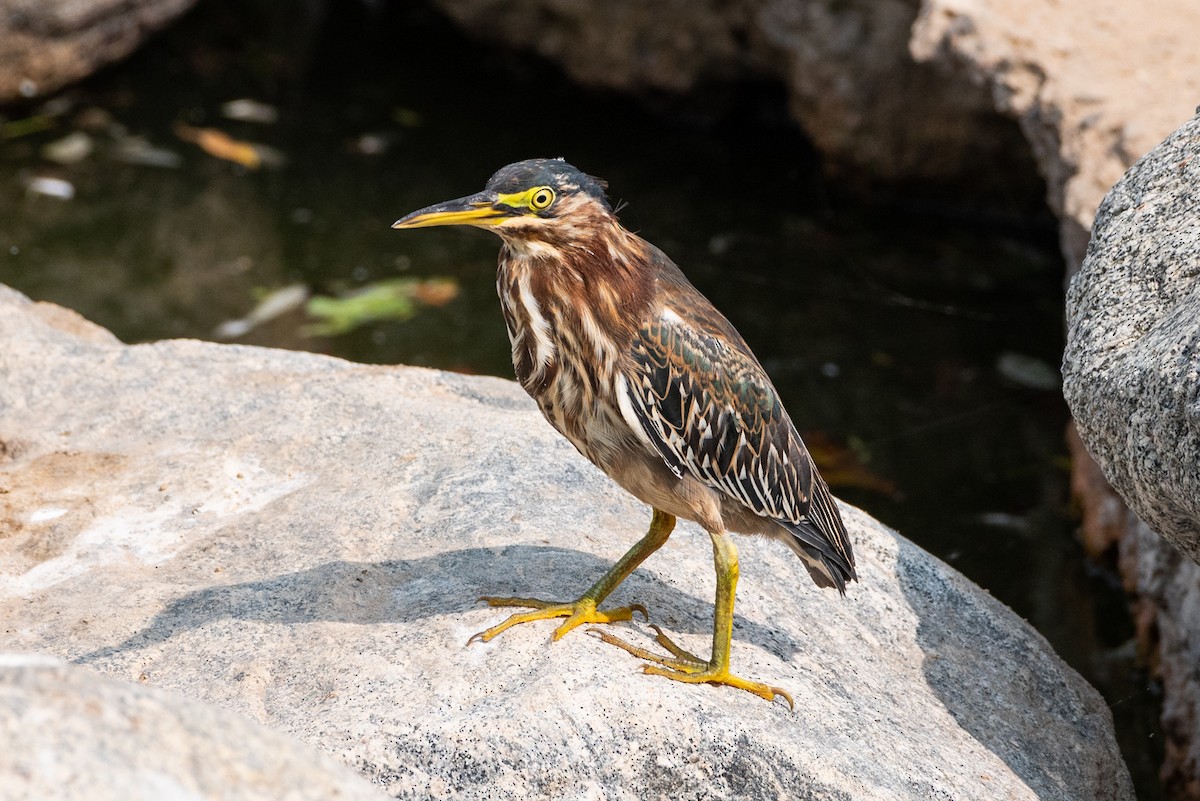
(448, 583)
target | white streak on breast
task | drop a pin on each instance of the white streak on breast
(533, 248)
(543, 345)
(600, 343)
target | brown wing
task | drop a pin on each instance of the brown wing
(709, 409)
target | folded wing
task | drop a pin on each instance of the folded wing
(708, 408)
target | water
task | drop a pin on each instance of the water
(882, 320)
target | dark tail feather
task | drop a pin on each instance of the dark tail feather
(822, 536)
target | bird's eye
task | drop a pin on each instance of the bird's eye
(542, 198)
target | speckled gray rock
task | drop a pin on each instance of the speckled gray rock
(70, 735)
(301, 540)
(1132, 365)
(46, 44)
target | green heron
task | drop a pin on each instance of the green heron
(635, 367)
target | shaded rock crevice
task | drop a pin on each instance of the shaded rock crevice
(1062, 70)
(873, 112)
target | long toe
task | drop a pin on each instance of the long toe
(686, 656)
(577, 613)
(723, 677)
(681, 661)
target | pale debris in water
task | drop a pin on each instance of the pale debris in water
(275, 304)
(70, 149)
(137, 150)
(247, 110)
(51, 187)
(1028, 371)
(372, 144)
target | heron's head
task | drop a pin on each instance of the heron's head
(539, 199)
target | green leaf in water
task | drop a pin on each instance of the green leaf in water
(24, 127)
(397, 299)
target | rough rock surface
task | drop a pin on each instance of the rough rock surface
(301, 540)
(1131, 372)
(852, 84)
(1093, 83)
(60, 724)
(46, 44)
(1132, 378)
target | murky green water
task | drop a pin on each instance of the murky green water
(898, 332)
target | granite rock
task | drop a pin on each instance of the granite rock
(1166, 612)
(301, 540)
(1132, 365)
(1132, 378)
(1094, 85)
(71, 735)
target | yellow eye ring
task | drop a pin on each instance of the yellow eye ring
(541, 198)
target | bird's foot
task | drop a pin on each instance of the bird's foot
(685, 666)
(576, 613)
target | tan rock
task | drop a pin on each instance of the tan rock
(46, 44)
(1095, 84)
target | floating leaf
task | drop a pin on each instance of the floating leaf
(220, 144)
(435, 291)
(1028, 371)
(27, 126)
(137, 150)
(396, 299)
(844, 465)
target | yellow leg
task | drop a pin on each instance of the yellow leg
(583, 609)
(687, 667)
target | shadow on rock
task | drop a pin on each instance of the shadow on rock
(999, 679)
(450, 583)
